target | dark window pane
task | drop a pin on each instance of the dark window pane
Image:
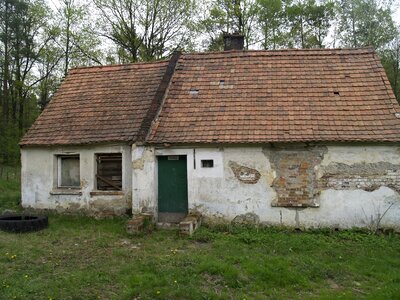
(207, 163)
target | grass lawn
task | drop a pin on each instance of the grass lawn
(10, 195)
(84, 258)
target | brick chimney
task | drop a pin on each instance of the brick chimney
(233, 41)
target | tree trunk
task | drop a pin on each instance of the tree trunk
(5, 100)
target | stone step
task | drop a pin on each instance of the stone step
(139, 223)
(190, 224)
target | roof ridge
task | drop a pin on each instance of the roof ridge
(289, 51)
(156, 104)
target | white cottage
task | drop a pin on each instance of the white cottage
(306, 138)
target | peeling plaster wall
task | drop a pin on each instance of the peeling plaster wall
(39, 181)
(144, 180)
(220, 194)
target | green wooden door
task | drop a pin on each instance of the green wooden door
(172, 188)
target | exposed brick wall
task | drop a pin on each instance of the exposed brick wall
(297, 185)
(365, 176)
(295, 182)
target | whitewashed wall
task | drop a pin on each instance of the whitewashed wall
(39, 177)
(219, 195)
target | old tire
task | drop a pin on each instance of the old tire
(18, 223)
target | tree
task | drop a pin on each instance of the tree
(21, 43)
(272, 20)
(230, 16)
(366, 23)
(144, 30)
(391, 61)
(50, 70)
(76, 38)
(214, 24)
(320, 18)
(309, 22)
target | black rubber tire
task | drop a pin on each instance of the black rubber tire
(19, 223)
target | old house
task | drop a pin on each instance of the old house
(306, 138)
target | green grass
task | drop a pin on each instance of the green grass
(10, 194)
(84, 258)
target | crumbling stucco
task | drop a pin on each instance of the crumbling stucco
(141, 156)
(144, 180)
(244, 174)
(246, 219)
(111, 206)
(365, 176)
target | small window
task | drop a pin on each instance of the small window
(109, 172)
(207, 163)
(68, 171)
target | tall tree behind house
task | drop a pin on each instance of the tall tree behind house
(76, 35)
(366, 23)
(32, 64)
(391, 61)
(370, 23)
(229, 16)
(21, 43)
(272, 23)
(144, 30)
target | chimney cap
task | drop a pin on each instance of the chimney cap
(233, 41)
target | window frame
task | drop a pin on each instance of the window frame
(59, 158)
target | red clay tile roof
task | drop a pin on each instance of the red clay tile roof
(278, 96)
(98, 104)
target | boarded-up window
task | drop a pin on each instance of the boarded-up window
(109, 172)
(68, 171)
